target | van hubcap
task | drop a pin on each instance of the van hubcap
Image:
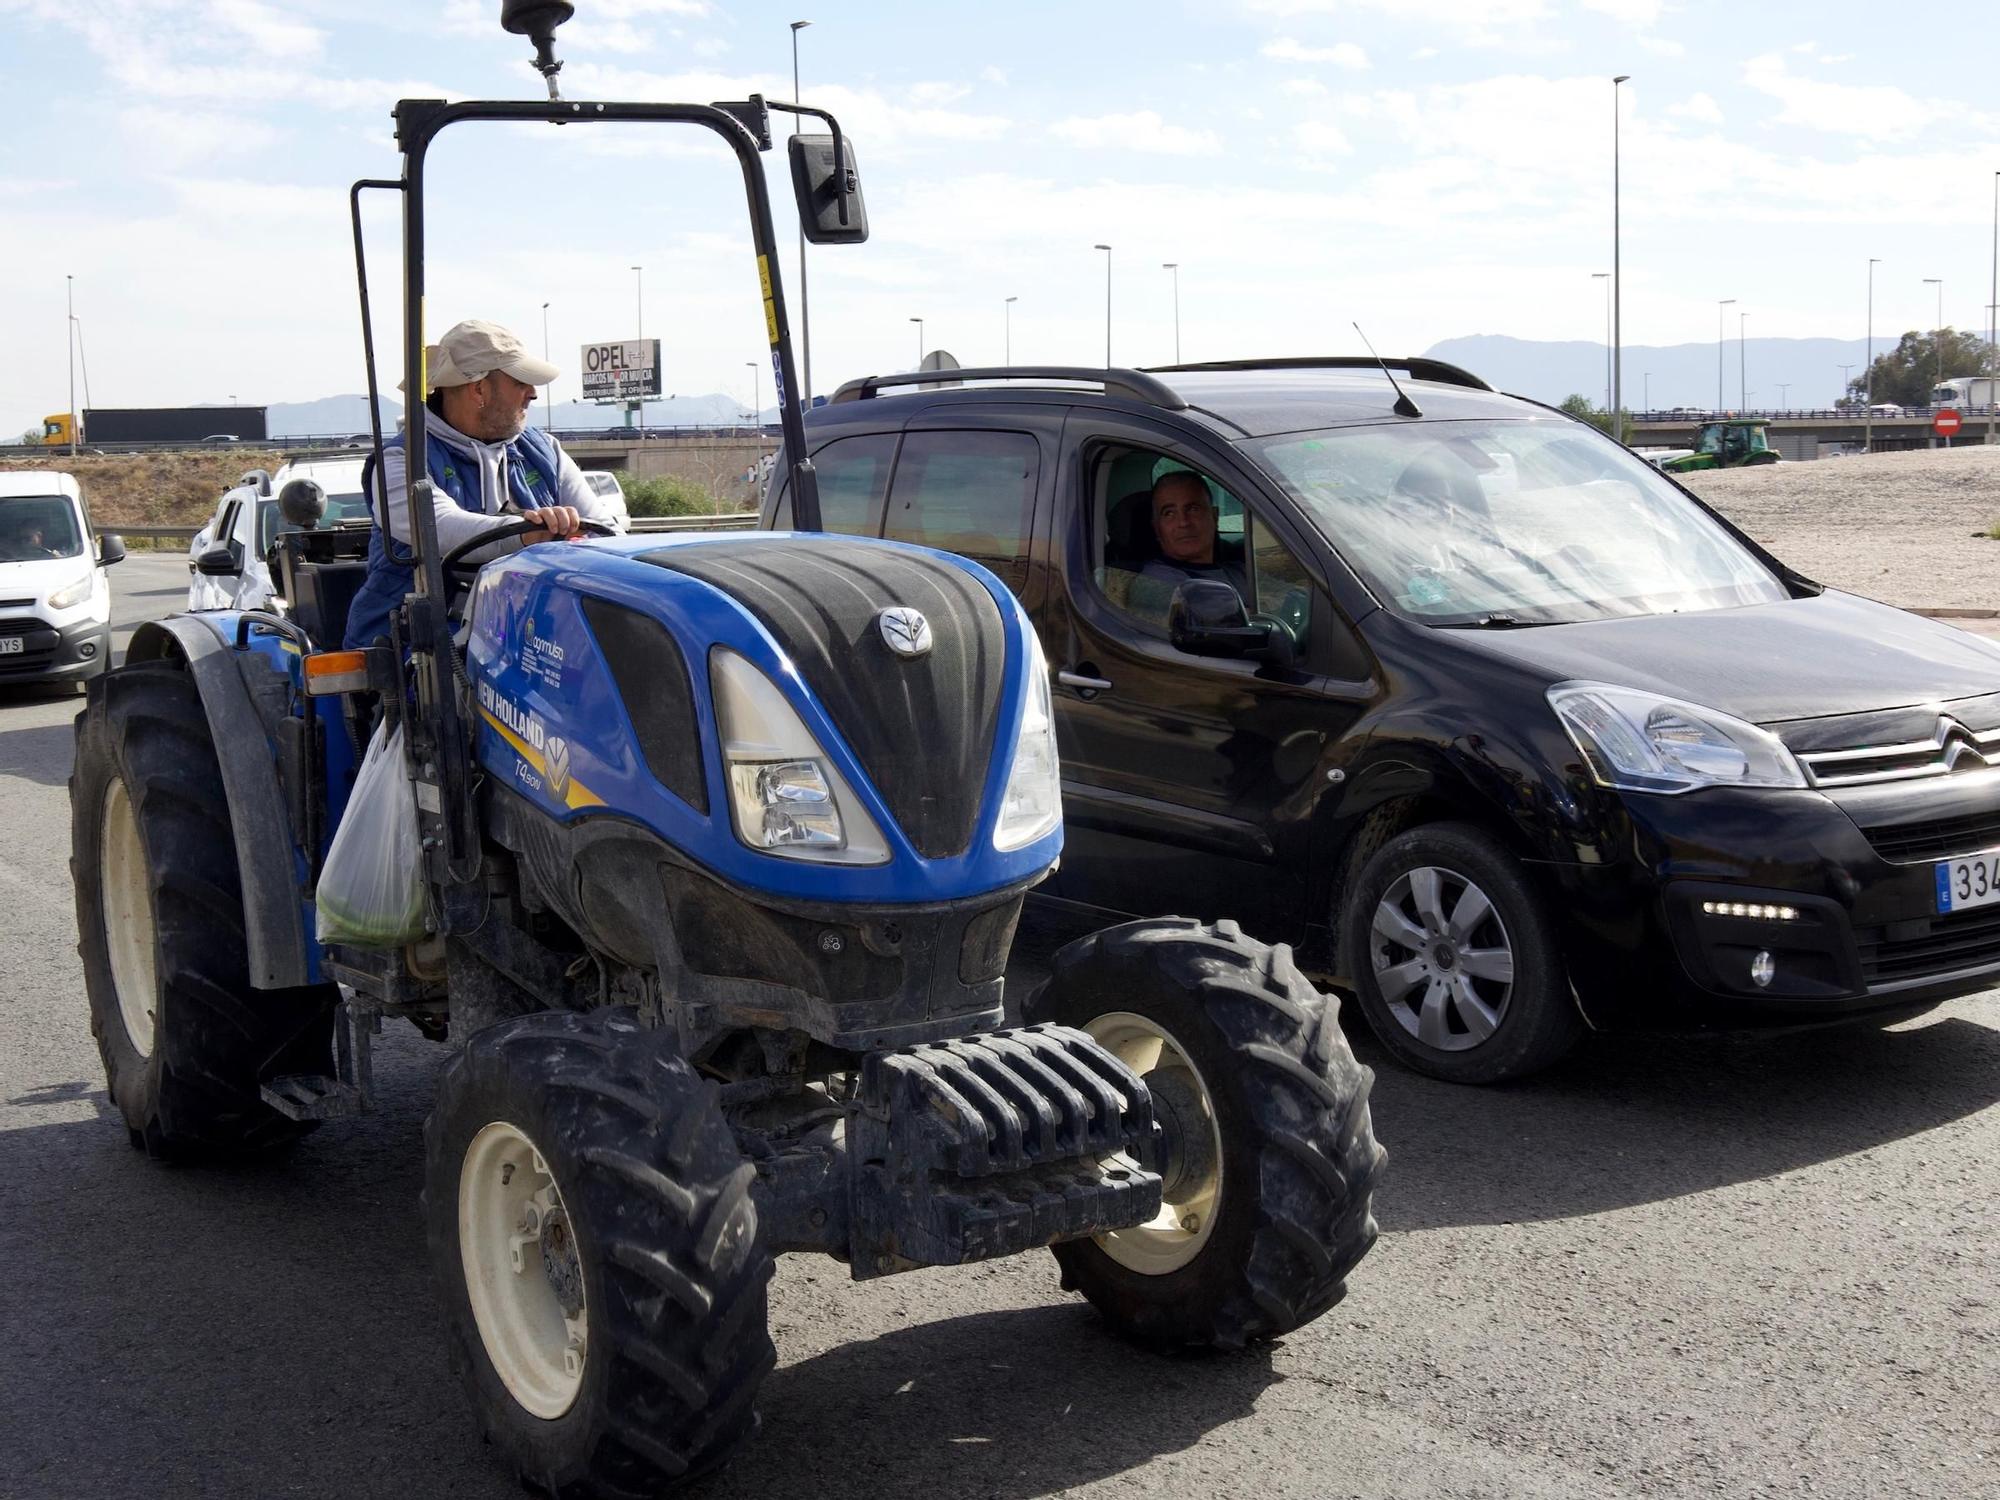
(1442, 959)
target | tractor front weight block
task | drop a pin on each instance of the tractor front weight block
(976, 1148)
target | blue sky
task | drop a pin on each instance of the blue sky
(1430, 170)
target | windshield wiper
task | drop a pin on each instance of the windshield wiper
(1497, 620)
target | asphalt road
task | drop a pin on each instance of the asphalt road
(1670, 1268)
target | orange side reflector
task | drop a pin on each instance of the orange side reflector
(331, 672)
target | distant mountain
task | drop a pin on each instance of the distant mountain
(1667, 375)
(340, 415)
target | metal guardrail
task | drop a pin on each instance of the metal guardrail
(742, 520)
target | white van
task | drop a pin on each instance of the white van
(55, 600)
(238, 538)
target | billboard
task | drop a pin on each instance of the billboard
(622, 371)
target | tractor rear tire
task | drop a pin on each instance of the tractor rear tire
(1267, 1132)
(610, 1318)
(186, 1041)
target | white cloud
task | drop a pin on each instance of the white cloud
(1305, 87)
(1446, 13)
(1340, 54)
(1318, 138)
(1630, 12)
(265, 30)
(1698, 107)
(1661, 46)
(995, 76)
(1142, 130)
(937, 93)
(1871, 111)
(182, 138)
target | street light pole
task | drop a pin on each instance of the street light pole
(1937, 332)
(1843, 383)
(1784, 395)
(756, 395)
(1107, 302)
(549, 394)
(1175, 267)
(920, 341)
(1993, 324)
(1720, 340)
(1648, 378)
(69, 327)
(1605, 277)
(639, 288)
(1007, 309)
(1617, 285)
(1742, 363)
(1868, 370)
(805, 306)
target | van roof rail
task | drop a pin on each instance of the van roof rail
(1417, 367)
(1134, 385)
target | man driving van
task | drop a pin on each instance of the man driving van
(488, 468)
(1184, 527)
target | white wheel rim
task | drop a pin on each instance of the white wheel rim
(1174, 1236)
(516, 1245)
(125, 903)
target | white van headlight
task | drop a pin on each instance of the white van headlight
(71, 594)
(785, 795)
(1031, 806)
(1641, 742)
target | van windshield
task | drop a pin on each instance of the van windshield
(34, 528)
(1512, 523)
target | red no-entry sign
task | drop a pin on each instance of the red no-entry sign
(1945, 423)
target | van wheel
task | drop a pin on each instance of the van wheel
(1454, 960)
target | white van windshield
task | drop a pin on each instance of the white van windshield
(1512, 523)
(34, 528)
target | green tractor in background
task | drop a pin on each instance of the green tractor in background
(1732, 443)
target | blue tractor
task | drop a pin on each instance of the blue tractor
(721, 842)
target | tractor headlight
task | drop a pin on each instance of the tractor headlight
(785, 796)
(72, 593)
(1032, 803)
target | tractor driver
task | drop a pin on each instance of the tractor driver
(1184, 526)
(488, 468)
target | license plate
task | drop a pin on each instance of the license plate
(1972, 881)
(12, 645)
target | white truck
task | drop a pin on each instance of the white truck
(1966, 393)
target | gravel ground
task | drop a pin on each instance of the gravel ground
(1905, 528)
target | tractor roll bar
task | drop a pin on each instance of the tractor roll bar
(441, 748)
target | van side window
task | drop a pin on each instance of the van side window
(972, 493)
(853, 475)
(1136, 575)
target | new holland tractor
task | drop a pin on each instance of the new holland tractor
(718, 844)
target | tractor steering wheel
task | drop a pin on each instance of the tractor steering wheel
(453, 563)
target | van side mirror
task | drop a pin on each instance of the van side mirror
(831, 211)
(110, 549)
(1206, 618)
(223, 560)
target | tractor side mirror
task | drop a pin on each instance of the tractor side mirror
(110, 549)
(223, 560)
(831, 210)
(302, 502)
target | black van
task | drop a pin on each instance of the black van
(1506, 730)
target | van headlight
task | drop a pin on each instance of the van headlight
(1642, 742)
(1032, 804)
(785, 795)
(71, 594)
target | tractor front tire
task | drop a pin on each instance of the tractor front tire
(186, 1041)
(595, 1243)
(1271, 1160)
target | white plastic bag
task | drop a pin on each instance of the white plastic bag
(371, 893)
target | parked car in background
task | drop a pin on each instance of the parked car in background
(55, 597)
(1504, 728)
(229, 558)
(607, 487)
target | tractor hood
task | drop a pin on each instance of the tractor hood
(823, 601)
(1801, 659)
